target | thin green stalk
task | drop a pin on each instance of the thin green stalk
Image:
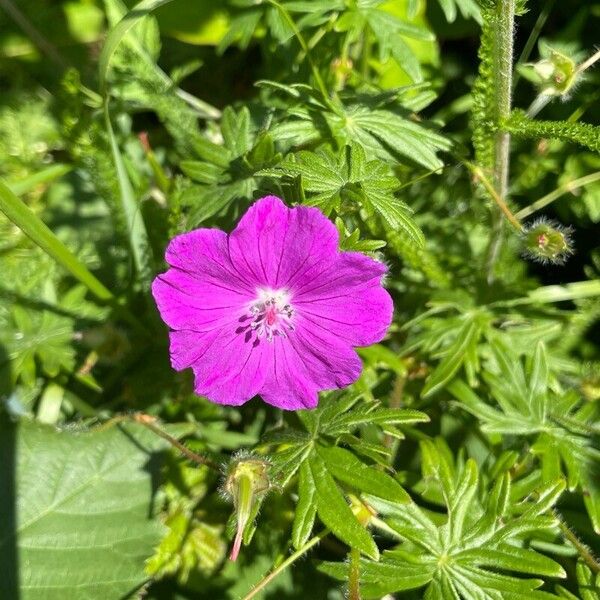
(487, 184)
(313, 67)
(285, 564)
(583, 551)
(22, 186)
(578, 290)
(136, 228)
(354, 575)
(365, 54)
(150, 423)
(503, 69)
(586, 64)
(570, 186)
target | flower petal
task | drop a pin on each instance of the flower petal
(348, 300)
(309, 360)
(204, 255)
(273, 245)
(288, 385)
(185, 302)
(232, 369)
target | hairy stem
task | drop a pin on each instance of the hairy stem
(354, 575)
(570, 186)
(584, 552)
(150, 423)
(285, 564)
(491, 190)
(503, 68)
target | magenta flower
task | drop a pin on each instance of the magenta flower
(274, 308)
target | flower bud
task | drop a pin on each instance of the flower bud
(554, 75)
(547, 242)
(246, 483)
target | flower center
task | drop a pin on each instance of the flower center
(271, 314)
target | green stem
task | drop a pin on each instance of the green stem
(149, 423)
(286, 563)
(354, 575)
(570, 186)
(487, 184)
(365, 54)
(313, 67)
(503, 69)
(583, 551)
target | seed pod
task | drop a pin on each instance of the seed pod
(546, 241)
(246, 483)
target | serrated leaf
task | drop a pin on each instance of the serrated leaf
(345, 467)
(306, 509)
(379, 416)
(334, 512)
(512, 558)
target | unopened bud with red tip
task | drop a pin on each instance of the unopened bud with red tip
(246, 483)
(547, 242)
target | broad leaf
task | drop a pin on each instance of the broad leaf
(76, 521)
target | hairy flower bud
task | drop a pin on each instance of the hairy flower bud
(554, 75)
(547, 242)
(247, 481)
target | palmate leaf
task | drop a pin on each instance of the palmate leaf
(564, 426)
(330, 181)
(469, 554)
(82, 527)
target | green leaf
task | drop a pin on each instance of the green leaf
(82, 527)
(334, 512)
(512, 558)
(378, 578)
(375, 416)
(453, 359)
(306, 509)
(345, 467)
(22, 186)
(460, 505)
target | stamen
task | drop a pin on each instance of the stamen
(271, 314)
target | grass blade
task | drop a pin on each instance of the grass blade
(119, 31)
(34, 228)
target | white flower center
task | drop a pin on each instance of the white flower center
(271, 314)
